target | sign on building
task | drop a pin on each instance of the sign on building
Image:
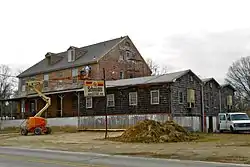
(94, 88)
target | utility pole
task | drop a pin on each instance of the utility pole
(105, 105)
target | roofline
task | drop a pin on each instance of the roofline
(123, 38)
(225, 85)
(186, 71)
(62, 68)
(134, 85)
(140, 55)
(66, 67)
(209, 79)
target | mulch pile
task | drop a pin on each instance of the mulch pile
(150, 131)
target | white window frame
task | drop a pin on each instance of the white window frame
(130, 98)
(46, 79)
(91, 102)
(151, 96)
(71, 55)
(110, 98)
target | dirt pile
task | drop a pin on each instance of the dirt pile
(149, 131)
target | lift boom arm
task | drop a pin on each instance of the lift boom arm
(32, 85)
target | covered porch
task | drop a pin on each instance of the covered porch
(63, 104)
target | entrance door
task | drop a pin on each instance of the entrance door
(59, 108)
(210, 124)
(222, 122)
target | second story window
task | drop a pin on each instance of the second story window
(71, 55)
(75, 75)
(46, 80)
(23, 85)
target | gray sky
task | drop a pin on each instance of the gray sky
(205, 36)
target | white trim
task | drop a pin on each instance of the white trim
(130, 94)
(112, 98)
(158, 96)
(91, 101)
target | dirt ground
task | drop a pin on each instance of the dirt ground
(213, 147)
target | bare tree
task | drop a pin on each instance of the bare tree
(155, 68)
(7, 82)
(238, 76)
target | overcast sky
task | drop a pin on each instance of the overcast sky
(205, 36)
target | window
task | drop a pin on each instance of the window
(211, 85)
(121, 75)
(75, 75)
(46, 80)
(71, 55)
(133, 98)
(127, 44)
(180, 96)
(89, 102)
(110, 100)
(154, 96)
(222, 117)
(23, 88)
(191, 78)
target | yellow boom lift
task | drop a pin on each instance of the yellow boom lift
(37, 124)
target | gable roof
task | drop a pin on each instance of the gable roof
(205, 80)
(170, 77)
(90, 54)
(228, 85)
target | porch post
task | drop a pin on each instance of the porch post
(36, 105)
(61, 97)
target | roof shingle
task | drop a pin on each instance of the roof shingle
(170, 77)
(91, 54)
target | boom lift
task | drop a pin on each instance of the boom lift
(37, 124)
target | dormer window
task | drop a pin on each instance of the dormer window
(71, 55)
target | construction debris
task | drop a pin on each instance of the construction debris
(150, 131)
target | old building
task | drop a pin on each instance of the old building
(211, 96)
(176, 94)
(212, 102)
(59, 72)
(227, 97)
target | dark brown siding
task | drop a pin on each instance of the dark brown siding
(144, 105)
(226, 91)
(181, 85)
(211, 98)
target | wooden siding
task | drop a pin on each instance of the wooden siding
(181, 85)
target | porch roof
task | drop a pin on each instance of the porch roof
(46, 93)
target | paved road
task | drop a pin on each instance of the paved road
(45, 158)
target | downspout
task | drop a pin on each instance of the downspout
(202, 108)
